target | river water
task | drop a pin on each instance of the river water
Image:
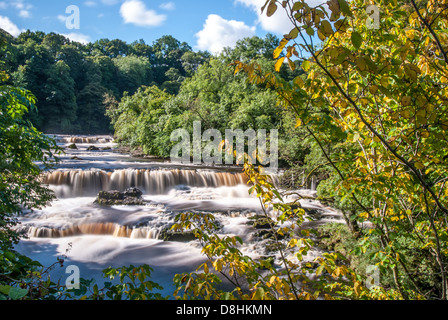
(94, 237)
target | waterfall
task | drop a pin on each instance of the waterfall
(83, 139)
(107, 228)
(69, 183)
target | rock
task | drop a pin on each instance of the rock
(133, 192)
(72, 146)
(131, 196)
(106, 148)
(184, 236)
(260, 222)
(75, 158)
(90, 148)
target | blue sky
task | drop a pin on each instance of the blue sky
(203, 24)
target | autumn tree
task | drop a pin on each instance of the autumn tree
(378, 81)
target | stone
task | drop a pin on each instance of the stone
(92, 148)
(260, 222)
(131, 196)
(72, 146)
(182, 236)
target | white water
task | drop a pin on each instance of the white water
(101, 236)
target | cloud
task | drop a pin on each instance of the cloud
(23, 8)
(62, 18)
(78, 37)
(135, 12)
(219, 33)
(90, 3)
(279, 22)
(10, 27)
(168, 6)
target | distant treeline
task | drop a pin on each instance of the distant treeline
(141, 92)
(70, 79)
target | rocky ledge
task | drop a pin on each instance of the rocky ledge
(131, 196)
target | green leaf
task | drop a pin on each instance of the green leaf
(272, 7)
(17, 293)
(356, 39)
(345, 8)
(5, 289)
(306, 65)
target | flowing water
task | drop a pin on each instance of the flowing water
(94, 237)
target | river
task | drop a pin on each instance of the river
(94, 237)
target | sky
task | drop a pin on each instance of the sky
(204, 24)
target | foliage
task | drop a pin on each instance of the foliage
(382, 91)
(133, 284)
(69, 79)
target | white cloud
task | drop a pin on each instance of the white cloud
(219, 33)
(9, 26)
(90, 3)
(277, 23)
(23, 8)
(135, 12)
(168, 6)
(62, 18)
(78, 37)
(24, 14)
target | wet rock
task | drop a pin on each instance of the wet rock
(260, 222)
(75, 158)
(92, 148)
(72, 146)
(131, 196)
(183, 236)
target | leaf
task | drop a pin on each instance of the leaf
(291, 64)
(356, 39)
(280, 48)
(294, 33)
(326, 28)
(345, 8)
(306, 65)
(272, 7)
(17, 293)
(279, 64)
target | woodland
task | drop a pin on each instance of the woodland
(360, 102)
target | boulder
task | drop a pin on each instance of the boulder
(90, 148)
(72, 146)
(260, 222)
(131, 196)
(179, 236)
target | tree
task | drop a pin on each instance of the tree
(132, 72)
(381, 93)
(21, 145)
(59, 110)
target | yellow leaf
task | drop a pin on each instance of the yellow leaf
(405, 114)
(280, 48)
(405, 101)
(279, 64)
(291, 64)
(419, 165)
(373, 89)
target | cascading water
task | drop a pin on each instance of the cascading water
(102, 236)
(70, 183)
